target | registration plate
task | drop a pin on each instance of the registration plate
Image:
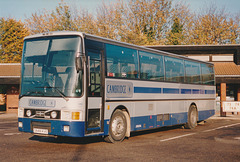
(40, 131)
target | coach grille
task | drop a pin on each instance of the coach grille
(40, 114)
(46, 114)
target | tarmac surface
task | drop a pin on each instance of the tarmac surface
(6, 115)
(217, 139)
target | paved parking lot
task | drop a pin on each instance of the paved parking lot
(216, 140)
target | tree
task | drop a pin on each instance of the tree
(62, 17)
(12, 34)
(175, 37)
(59, 19)
(142, 22)
(106, 21)
(181, 24)
(147, 21)
(85, 22)
(214, 26)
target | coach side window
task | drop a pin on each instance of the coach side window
(207, 74)
(151, 66)
(122, 62)
(192, 70)
(174, 68)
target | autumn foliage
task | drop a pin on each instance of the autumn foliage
(11, 40)
(140, 22)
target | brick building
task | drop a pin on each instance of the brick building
(9, 86)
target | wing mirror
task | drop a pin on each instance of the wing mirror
(79, 62)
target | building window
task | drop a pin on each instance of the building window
(202, 58)
(228, 58)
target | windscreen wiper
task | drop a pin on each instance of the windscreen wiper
(31, 92)
(61, 93)
(58, 91)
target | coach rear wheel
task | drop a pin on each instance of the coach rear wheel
(117, 127)
(192, 117)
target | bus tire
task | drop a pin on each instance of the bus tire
(117, 127)
(192, 117)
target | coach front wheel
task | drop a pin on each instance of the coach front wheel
(117, 127)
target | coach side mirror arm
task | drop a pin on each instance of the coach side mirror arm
(79, 61)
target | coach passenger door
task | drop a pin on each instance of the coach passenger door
(94, 114)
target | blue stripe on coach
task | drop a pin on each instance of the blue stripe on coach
(210, 92)
(147, 90)
(186, 91)
(172, 90)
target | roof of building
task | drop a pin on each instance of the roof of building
(10, 73)
(10, 70)
(229, 69)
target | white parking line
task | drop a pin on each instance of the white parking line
(173, 138)
(221, 127)
(190, 134)
(11, 134)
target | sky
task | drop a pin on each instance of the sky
(22, 9)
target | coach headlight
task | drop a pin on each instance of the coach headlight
(54, 114)
(28, 113)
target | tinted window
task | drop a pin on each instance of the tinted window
(192, 70)
(121, 62)
(174, 69)
(151, 66)
(207, 74)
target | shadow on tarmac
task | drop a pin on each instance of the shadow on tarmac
(95, 139)
(161, 129)
(67, 140)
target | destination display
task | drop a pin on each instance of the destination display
(41, 103)
(117, 89)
